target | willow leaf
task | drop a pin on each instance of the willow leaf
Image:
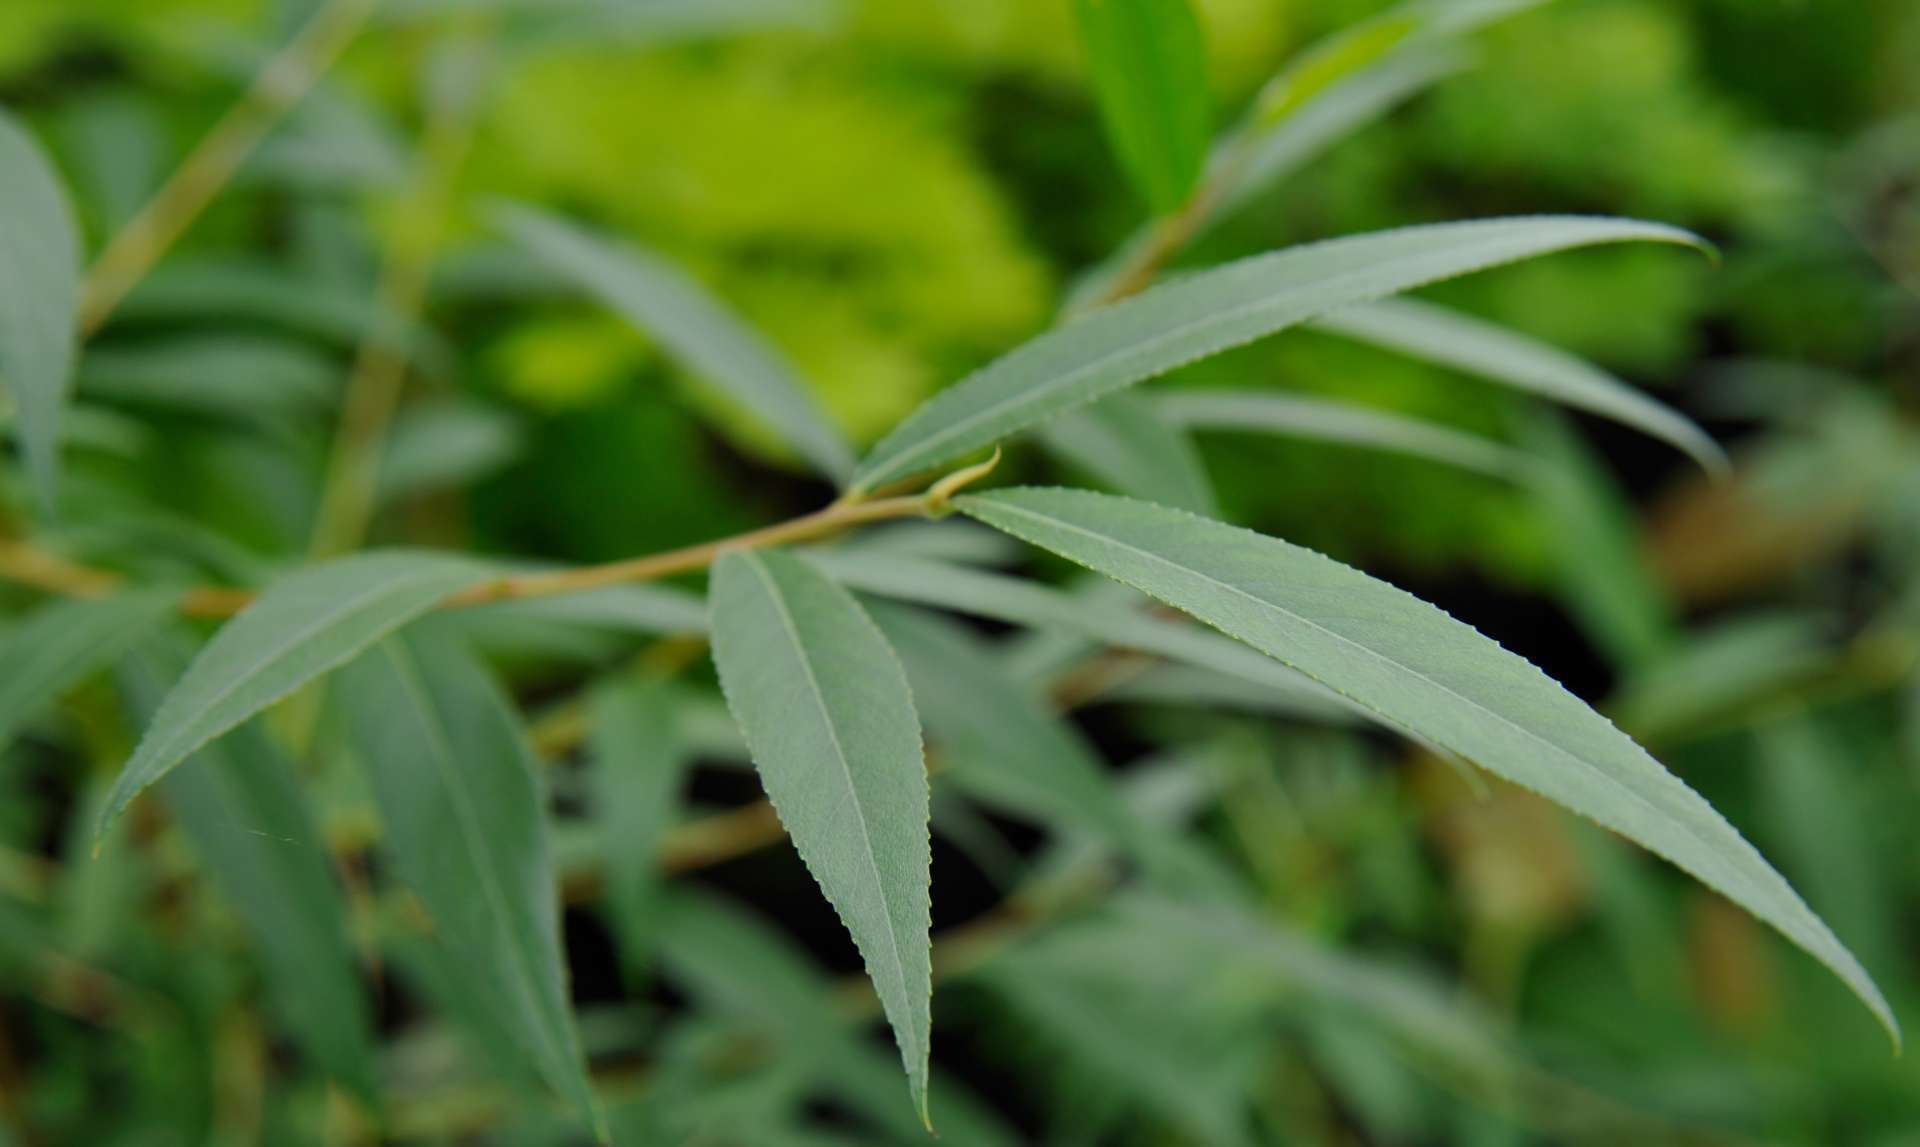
(1449, 338)
(1124, 443)
(241, 806)
(1210, 312)
(61, 644)
(1250, 411)
(304, 625)
(638, 762)
(1149, 66)
(466, 823)
(1419, 670)
(663, 301)
(830, 720)
(39, 298)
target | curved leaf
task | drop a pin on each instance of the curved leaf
(1449, 338)
(1248, 411)
(827, 712)
(466, 823)
(1149, 66)
(1123, 442)
(662, 300)
(1213, 311)
(1421, 671)
(39, 298)
(305, 624)
(60, 644)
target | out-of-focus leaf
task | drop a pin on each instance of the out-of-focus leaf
(466, 823)
(304, 625)
(936, 541)
(1253, 411)
(639, 763)
(999, 739)
(628, 22)
(1022, 602)
(446, 445)
(1123, 442)
(1149, 68)
(1210, 312)
(39, 298)
(662, 300)
(239, 377)
(1422, 671)
(1607, 578)
(828, 713)
(64, 642)
(240, 804)
(1449, 338)
(1722, 673)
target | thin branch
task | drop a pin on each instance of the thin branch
(276, 90)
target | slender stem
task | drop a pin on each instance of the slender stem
(276, 90)
(349, 491)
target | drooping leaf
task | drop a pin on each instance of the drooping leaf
(661, 300)
(466, 823)
(1121, 441)
(828, 714)
(61, 644)
(998, 739)
(39, 298)
(1422, 671)
(241, 805)
(1149, 66)
(1257, 411)
(304, 625)
(639, 763)
(1449, 338)
(1210, 312)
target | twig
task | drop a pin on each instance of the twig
(276, 90)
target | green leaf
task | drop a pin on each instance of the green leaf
(826, 710)
(1121, 441)
(1421, 671)
(1253, 411)
(1451, 339)
(238, 377)
(1000, 740)
(241, 805)
(1149, 66)
(465, 820)
(662, 300)
(39, 298)
(1213, 311)
(445, 444)
(304, 625)
(62, 643)
(638, 765)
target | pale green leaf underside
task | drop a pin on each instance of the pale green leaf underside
(1451, 339)
(304, 625)
(59, 645)
(1213, 311)
(39, 298)
(1420, 670)
(466, 823)
(1255, 411)
(830, 721)
(1123, 442)
(662, 300)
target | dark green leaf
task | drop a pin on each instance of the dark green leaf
(1149, 65)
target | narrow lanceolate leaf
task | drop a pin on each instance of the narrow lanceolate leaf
(237, 377)
(1252, 411)
(638, 762)
(662, 300)
(1149, 66)
(241, 806)
(1419, 670)
(1451, 339)
(60, 645)
(466, 824)
(1123, 442)
(998, 738)
(39, 298)
(831, 723)
(1173, 325)
(304, 625)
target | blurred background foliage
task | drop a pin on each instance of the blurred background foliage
(895, 192)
